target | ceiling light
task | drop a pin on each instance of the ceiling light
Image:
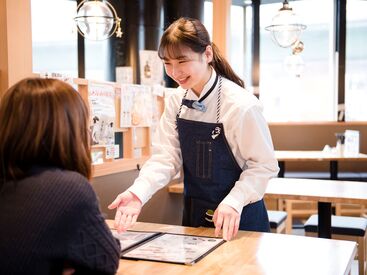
(285, 28)
(97, 20)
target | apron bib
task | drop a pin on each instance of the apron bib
(210, 172)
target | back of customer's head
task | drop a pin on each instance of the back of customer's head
(43, 122)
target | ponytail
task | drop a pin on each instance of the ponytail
(222, 67)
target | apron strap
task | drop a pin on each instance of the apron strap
(218, 101)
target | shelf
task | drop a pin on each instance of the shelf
(176, 188)
(117, 166)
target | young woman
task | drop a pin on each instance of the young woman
(215, 129)
(49, 214)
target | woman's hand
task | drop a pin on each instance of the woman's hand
(228, 219)
(128, 209)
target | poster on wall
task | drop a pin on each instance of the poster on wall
(102, 106)
(136, 106)
(151, 68)
(124, 75)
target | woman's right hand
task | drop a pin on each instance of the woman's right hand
(128, 209)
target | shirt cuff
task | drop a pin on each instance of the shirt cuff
(240, 196)
(141, 189)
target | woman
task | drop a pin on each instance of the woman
(49, 213)
(215, 129)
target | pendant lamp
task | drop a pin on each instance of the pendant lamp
(97, 20)
(285, 28)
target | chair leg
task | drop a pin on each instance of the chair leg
(289, 220)
(362, 255)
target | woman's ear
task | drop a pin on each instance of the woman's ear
(209, 54)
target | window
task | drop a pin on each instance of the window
(97, 60)
(308, 96)
(356, 61)
(54, 37)
(236, 58)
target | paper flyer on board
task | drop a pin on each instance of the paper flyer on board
(102, 106)
(151, 68)
(136, 106)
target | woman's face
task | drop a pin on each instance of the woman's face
(190, 70)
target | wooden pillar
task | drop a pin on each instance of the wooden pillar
(15, 42)
(221, 25)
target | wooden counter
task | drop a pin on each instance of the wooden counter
(253, 253)
(118, 166)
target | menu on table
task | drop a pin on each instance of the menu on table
(166, 247)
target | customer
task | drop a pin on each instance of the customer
(215, 129)
(49, 214)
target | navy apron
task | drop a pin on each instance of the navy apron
(210, 172)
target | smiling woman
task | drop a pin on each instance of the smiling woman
(214, 128)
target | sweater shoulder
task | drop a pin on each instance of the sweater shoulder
(67, 184)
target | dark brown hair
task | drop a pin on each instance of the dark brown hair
(191, 33)
(43, 122)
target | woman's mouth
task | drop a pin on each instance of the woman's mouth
(182, 81)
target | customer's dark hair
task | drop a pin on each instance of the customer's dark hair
(192, 33)
(43, 122)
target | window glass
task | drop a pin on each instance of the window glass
(237, 55)
(356, 61)
(299, 96)
(97, 60)
(236, 58)
(248, 48)
(208, 17)
(54, 37)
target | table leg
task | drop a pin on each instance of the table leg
(281, 202)
(333, 170)
(281, 169)
(324, 222)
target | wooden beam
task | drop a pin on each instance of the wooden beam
(15, 42)
(221, 25)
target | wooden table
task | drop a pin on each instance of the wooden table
(253, 253)
(291, 156)
(324, 192)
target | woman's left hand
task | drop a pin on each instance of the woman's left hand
(228, 219)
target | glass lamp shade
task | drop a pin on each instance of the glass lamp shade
(95, 20)
(285, 28)
(294, 65)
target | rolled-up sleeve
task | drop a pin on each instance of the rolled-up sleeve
(253, 149)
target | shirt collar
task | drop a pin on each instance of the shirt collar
(207, 86)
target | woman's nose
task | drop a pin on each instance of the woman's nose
(175, 71)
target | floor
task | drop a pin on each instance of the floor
(298, 230)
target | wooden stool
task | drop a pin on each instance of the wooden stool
(345, 228)
(277, 221)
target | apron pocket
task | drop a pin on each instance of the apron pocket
(201, 212)
(204, 159)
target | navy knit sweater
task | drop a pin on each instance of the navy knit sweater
(51, 219)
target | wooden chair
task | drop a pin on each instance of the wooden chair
(345, 228)
(277, 221)
(298, 209)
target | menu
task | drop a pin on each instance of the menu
(173, 248)
(131, 238)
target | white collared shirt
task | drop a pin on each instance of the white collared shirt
(246, 131)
